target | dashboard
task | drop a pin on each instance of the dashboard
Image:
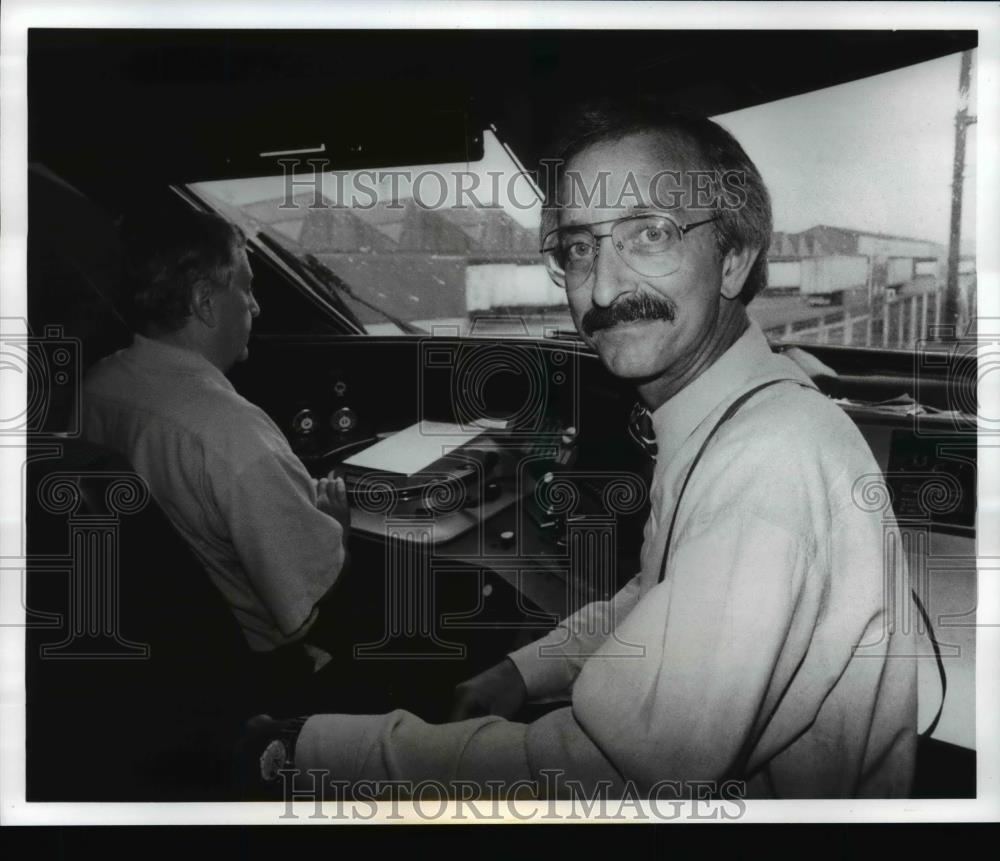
(930, 470)
(522, 499)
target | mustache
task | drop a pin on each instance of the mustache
(642, 307)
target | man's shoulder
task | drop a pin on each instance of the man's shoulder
(791, 409)
(191, 405)
(106, 373)
(794, 427)
(789, 457)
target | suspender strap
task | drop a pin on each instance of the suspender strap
(726, 416)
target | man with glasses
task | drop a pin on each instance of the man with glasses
(757, 642)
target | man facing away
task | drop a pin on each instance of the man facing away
(760, 645)
(270, 537)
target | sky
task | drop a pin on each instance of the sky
(874, 154)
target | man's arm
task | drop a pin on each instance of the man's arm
(550, 665)
(288, 540)
(726, 630)
(683, 710)
(546, 667)
(495, 756)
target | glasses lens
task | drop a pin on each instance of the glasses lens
(649, 244)
(555, 270)
(569, 252)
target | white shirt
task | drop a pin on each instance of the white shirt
(224, 474)
(765, 654)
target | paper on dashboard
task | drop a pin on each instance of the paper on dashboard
(414, 448)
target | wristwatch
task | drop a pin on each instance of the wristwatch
(272, 744)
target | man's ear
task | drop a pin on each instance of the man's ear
(203, 296)
(736, 267)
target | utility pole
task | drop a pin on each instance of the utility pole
(952, 306)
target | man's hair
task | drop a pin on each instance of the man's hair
(166, 256)
(715, 150)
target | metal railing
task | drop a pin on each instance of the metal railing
(891, 322)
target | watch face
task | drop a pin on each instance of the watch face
(272, 760)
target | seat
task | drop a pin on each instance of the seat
(138, 676)
(944, 770)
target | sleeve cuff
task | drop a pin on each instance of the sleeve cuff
(544, 675)
(338, 743)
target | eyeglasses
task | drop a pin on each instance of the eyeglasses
(650, 244)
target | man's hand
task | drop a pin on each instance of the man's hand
(499, 691)
(331, 498)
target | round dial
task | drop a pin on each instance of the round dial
(344, 420)
(304, 422)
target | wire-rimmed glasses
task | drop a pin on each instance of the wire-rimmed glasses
(648, 243)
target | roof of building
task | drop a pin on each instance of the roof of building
(850, 231)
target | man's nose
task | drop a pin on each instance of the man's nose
(610, 275)
(254, 306)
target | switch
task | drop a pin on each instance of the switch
(304, 422)
(344, 420)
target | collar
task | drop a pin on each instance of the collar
(166, 358)
(749, 361)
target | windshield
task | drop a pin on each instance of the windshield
(860, 177)
(450, 249)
